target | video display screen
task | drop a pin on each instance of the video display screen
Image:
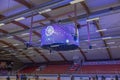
(6, 64)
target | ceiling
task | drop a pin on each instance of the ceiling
(105, 44)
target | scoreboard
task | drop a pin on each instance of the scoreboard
(6, 65)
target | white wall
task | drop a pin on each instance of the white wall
(48, 77)
(81, 78)
(65, 78)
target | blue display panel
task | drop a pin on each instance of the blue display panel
(56, 38)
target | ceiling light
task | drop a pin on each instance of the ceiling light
(24, 34)
(10, 37)
(101, 30)
(76, 1)
(17, 56)
(1, 24)
(44, 11)
(20, 49)
(111, 43)
(30, 52)
(15, 44)
(104, 47)
(94, 44)
(30, 48)
(21, 18)
(2, 51)
(67, 41)
(85, 40)
(114, 47)
(107, 38)
(5, 46)
(84, 49)
(98, 48)
(54, 45)
(88, 20)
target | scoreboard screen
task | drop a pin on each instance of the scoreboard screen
(6, 64)
(3, 64)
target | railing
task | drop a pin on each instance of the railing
(28, 69)
(55, 69)
(100, 69)
(85, 69)
(99, 72)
